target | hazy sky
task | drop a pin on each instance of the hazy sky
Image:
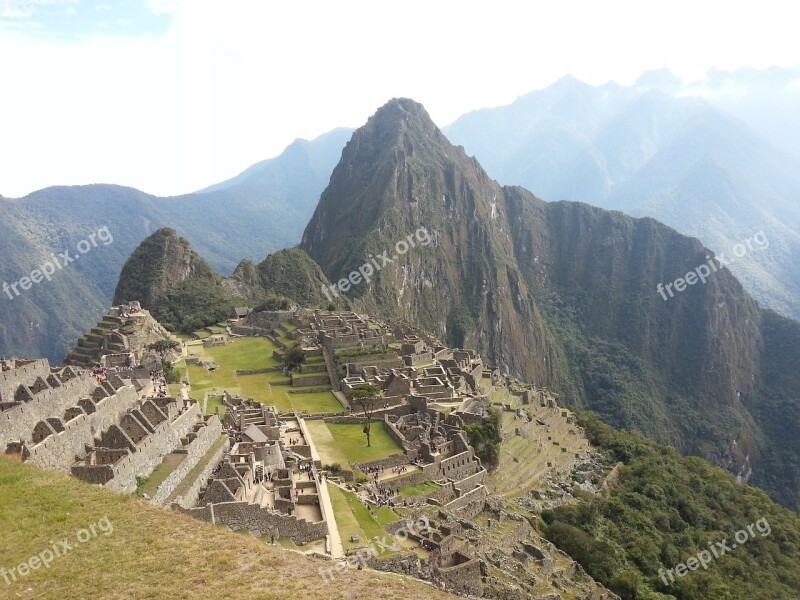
(170, 96)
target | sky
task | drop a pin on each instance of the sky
(170, 96)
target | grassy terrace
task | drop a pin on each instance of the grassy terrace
(159, 474)
(213, 403)
(154, 553)
(192, 475)
(353, 443)
(353, 518)
(427, 487)
(249, 354)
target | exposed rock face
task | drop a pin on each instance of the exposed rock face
(562, 294)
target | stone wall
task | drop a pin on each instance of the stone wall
(18, 423)
(195, 451)
(24, 375)
(59, 450)
(257, 371)
(477, 495)
(250, 517)
(469, 483)
(464, 578)
(459, 466)
(192, 495)
(151, 450)
(315, 379)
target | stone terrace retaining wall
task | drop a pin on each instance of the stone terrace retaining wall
(18, 422)
(58, 451)
(192, 495)
(477, 495)
(24, 375)
(242, 515)
(194, 452)
(150, 451)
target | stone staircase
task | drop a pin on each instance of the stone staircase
(96, 342)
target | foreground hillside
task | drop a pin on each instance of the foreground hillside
(150, 552)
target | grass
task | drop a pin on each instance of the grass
(192, 475)
(152, 553)
(408, 491)
(213, 403)
(327, 448)
(353, 518)
(249, 354)
(156, 478)
(351, 440)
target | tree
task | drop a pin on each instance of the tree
(485, 437)
(162, 347)
(293, 357)
(366, 397)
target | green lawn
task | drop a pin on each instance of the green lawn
(327, 448)
(156, 478)
(407, 491)
(353, 443)
(248, 354)
(353, 518)
(213, 403)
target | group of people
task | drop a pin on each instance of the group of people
(308, 468)
(384, 495)
(262, 477)
(376, 472)
(159, 383)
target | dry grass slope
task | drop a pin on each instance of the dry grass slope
(153, 552)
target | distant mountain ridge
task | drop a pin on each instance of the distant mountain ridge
(646, 152)
(262, 210)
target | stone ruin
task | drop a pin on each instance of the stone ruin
(106, 429)
(268, 483)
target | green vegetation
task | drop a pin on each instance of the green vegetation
(213, 403)
(250, 354)
(193, 303)
(273, 302)
(162, 347)
(665, 509)
(485, 438)
(293, 357)
(349, 438)
(426, 487)
(150, 484)
(354, 518)
(365, 398)
(330, 452)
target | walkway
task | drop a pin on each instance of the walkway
(337, 549)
